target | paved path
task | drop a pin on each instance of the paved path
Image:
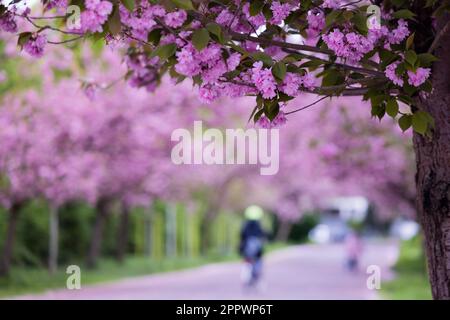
(298, 272)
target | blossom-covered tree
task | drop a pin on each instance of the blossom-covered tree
(276, 50)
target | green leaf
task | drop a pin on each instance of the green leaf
(114, 24)
(405, 99)
(331, 17)
(258, 115)
(378, 111)
(360, 22)
(215, 29)
(23, 38)
(398, 3)
(279, 70)
(332, 77)
(267, 12)
(410, 41)
(347, 15)
(405, 122)
(264, 57)
(154, 36)
(404, 14)
(256, 7)
(392, 108)
(426, 59)
(271, 109)
(312, 64)
(411, 57)
(420, 121)
(200, 38)
(376, 100)
(165, 51)
(253, 113)
(129, 4)
(183, 4)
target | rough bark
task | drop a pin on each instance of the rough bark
(97, 233)
(122, 238)
(433, 174)
(53, 244)
(5, 261)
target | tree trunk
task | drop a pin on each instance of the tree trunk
(148, 233)
(433, 175)
(171, 230)
(53, 240)
(205, 234)
(122, 239)
(97, 233)
(283, 231)
(5, 262)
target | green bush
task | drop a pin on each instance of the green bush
(411, 281)
(299, 232)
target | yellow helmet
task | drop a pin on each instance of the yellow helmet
(254, 213)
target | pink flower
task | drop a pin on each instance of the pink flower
(332, 4)
(400, 33)
(175, 19)
(352, 45)
(419, 77)
(308, 81)
(316, 22)
(263, 80)
(7, 22)
(35, 45)
(208, 94)
(279, 121)
(392, 75)
(96, 15)
(233, 61)
(290, 84)
(279, 12)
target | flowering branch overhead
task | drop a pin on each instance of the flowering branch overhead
(274, 50)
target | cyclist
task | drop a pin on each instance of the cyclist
(252, 244)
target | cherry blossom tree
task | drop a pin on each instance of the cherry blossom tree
(276, 50)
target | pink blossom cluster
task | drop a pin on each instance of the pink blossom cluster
(60, 5)
(175, 19)
(35, 45)
(316, 22)
(142, 20)
(415, 78)
(8, 22)
(398, 34)
(264, 80)
(332, 4)
(418, 77)
(95, 15)
(391, 74)
(351, 46)
(279, 121)
(280, 11)
(292, 83)
(142, 75)
(209, 62)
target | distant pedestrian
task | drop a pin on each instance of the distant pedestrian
(354, 249)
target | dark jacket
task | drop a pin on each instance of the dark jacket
(251, 229)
